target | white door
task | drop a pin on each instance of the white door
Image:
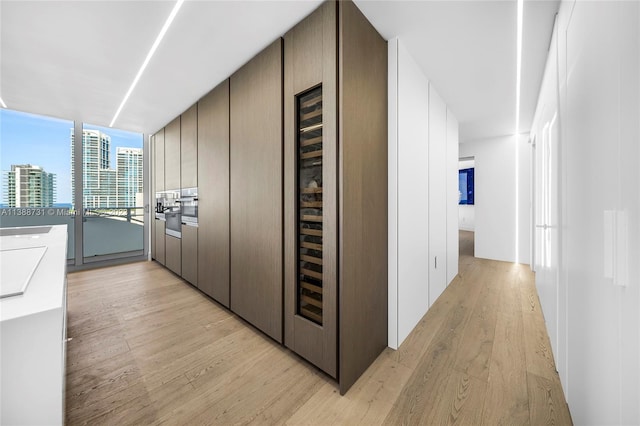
(547, 212)
(546, 223)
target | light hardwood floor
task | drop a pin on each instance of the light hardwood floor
(147, 348)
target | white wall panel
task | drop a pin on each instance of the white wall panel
(437, 195)
(602, 134)
(597, 300)
(589, 124)
(546, 213)
(410, 172)
(451, 172)
(409, 188)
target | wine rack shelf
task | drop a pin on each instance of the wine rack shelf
(310, 205)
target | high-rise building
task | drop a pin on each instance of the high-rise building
(103, 186)
(29, 186)
(129, 174)
(98, 179)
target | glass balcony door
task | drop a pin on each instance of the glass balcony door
(95, 186)
(113, 213)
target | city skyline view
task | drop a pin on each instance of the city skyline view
(27, 185)
(107, 181)
(45, 142)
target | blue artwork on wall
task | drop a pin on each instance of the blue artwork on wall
(465, 186)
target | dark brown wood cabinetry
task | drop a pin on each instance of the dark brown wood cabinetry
(173, 248)
(336, 191)
(173, 254)
(213, 195)
(159, 241)
(157, 226)
(310, 87)
(256, 191)
(290, 158)
(172, 155)
(363, 201)
(189, 148)
(189, 253)
(152, 151)
(158, 157)
(189, 179)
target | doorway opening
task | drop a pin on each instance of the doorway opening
(466, 211)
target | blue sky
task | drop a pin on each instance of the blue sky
(44, 141)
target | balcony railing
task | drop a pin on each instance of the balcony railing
(130, 214)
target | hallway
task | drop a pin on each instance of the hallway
(485, 352)
(148, 348)
(466, 250)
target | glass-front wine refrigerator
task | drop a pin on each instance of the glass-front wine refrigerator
(309, 159)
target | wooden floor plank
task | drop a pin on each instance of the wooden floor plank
(547, 397)
(142, 407)
(244, 403)
(459, 403)
(506, 401)
(539, 359)
(368, 401)
(474, 354)
(417, 343)
(148, 348)
(416, 401)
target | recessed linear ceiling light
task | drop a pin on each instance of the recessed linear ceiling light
(516, 132)
(518, 64)
(156, 43)
(2, 103)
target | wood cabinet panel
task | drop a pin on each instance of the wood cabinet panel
(337, 48)
(157, 170)
(173, 253)
(248, 166)
(190, 254)
(310, 60)
(213, 193)
(189, 148)
(256, 191)
(172, 155)
(158, 160)
(160, 241)
(152, 156)
(304, 55)
(362, 53)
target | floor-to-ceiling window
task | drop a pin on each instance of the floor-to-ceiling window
(94, 185)
(36, 172)
(112, 191)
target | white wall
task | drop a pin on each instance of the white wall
(467, 217)
(466, 164)
(409, 153)
(466, 212)
(496, 215)
(408, 197)
(597, 299)
(437, 195)
(453, 237)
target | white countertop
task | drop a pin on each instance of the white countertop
(45, 290)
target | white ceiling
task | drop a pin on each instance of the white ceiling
(468, 51)
(76, 59)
